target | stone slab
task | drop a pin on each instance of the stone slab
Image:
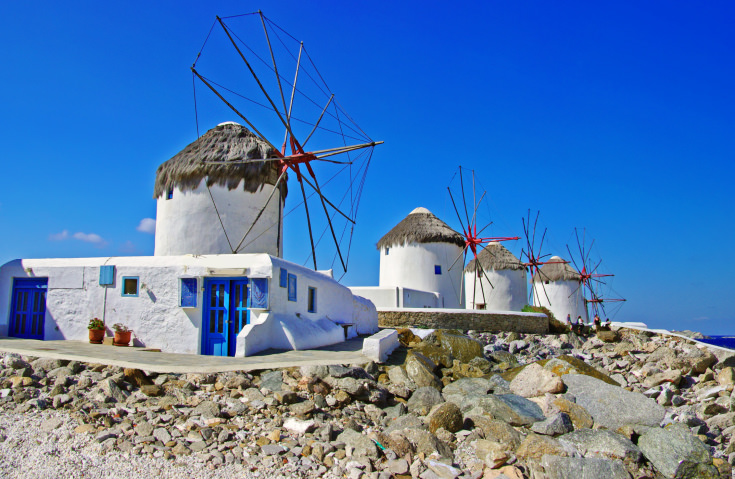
(379, 346)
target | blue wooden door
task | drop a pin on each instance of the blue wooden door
(238, 311)
(225, 314)
(28, 308)
(216, 306)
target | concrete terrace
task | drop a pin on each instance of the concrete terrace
(348, 352)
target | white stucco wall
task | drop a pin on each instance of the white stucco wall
(398, 297)
(188, 223)
(412, 266)
(506, 290)
(564, 297)
(74, 297)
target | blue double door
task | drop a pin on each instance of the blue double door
(225, 314)
(28, 308)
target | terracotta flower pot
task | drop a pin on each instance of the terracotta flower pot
(122, 338)
(96, 336)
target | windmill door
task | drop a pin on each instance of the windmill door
(28, 308)
(225, 314)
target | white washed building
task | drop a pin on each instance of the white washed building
(194, 296)
(421, 265)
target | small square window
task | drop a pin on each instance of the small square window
(188, 297)
(130, 286)
(312, 300)
(437, 269)
(170, 193)
(291, 287)
(283, 279)
(386, 251)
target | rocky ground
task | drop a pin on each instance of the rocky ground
(626, 404)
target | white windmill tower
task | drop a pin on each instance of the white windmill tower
(209, 198)
(418, 253)
(495, 280)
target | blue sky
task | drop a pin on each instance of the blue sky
(616, 117)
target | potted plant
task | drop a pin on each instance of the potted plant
(96, 331)
(122, 334)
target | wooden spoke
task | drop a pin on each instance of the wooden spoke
(308, 222)
(255, 76)
(316, 125)
(275, 67)
(331, 228)
(214, 90)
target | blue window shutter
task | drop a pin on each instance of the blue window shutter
(107, 275)
(283, 279)
(259, 293)
(437, 269)
(188, 292)
(292, 287)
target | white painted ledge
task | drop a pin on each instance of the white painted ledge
(379, 346)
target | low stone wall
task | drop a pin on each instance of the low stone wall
(532, 323)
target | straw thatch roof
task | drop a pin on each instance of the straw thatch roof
(496, 257)
(420, 226)
(223, 144)
(556, 272)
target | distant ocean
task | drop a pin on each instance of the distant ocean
(723, 341)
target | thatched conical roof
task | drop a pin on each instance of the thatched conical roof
(556, 272)
(420, 226)
(496, 257)
(224, 145)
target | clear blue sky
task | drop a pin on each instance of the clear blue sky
(615, 117)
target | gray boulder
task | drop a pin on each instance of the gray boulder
(162, 435)
(675, 452)
(528, 410)
(423, 399)
(420, 370)
(207, 409)
(510, 408)
(534, 381)
(409, 421)
(47, 364)
(602, 443)
(272, 380)
(557, 467)
(361, 444)
(14, 361)
(457, 391)
(556, 425)
(111, 389)
(399, 377)
(427, 443)
(612, 406)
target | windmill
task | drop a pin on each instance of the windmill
(535, 259)
(242, 62)
(487, 253)
(591, 282)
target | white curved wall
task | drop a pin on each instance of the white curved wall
(74, 296)
(412, 266)
(564, 297)
(188, 223)
(509, 290)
